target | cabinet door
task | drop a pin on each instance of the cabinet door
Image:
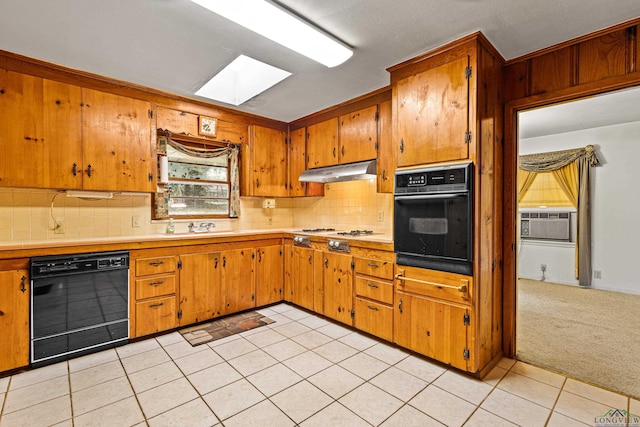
(236, 133)
(156, 315)
(432, 328)
(358, 135)
(433, 115)
(269, 275)
(199, 287)
(297, 161)
(374, 318)
(338, 287)
(302, 279)
(322, 144)
(269, 162)
(14, 318)
(238, 284)
(40, 132)
(118, 143)
(176, 121)
(386, 154)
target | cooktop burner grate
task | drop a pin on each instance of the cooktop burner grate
(317, 230)
(355, 232)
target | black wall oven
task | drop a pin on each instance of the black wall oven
(79, 304)
(433, 218)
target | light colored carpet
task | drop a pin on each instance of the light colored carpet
(588, 334)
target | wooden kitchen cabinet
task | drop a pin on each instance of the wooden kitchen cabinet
(297, 165)
(374, 294)
(238, 280)
(268, 163)
(386, 162)
(269, 274)
(40, 132)
(358, 135)
(300, 276)
(322, 144)
(200, 289)
(177, 122)
(338, 286)
(15, 300)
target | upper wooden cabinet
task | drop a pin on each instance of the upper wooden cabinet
(268, 163)
(386, 162)
(433, 114)
(358, 135)
(322, 144)
(297, 165)
(177, 121)
(56, 135)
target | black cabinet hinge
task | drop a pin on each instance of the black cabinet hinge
(180, 314)
(377, 146)
(377, 116)
(353, 265)
(179, 264)
(466, 354)
(467, 72)
(150, 177)
(466, 319)
(467, 137)
(353, 313)
(150, 114)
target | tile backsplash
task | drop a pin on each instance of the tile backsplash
(29, 214)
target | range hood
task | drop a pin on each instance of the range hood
(340, 173)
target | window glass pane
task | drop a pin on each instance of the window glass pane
(185, 206)
(190, 171)
(175, 155)
(199, 190)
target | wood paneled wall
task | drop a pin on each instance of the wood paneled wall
(595, 63)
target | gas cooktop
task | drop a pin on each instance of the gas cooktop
(355, 233)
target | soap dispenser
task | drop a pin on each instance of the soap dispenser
(171, 228)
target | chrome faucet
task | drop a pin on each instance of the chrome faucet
(201, 228)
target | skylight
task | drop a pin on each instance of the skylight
(241, 80)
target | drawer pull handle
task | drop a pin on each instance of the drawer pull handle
(372, 308)
(160, 282)
(156, 263)
(372, 265)
(156, 305)
(371, 285)
(462, 288)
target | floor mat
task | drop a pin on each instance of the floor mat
(231, 325)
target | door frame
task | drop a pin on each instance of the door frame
(510, 185)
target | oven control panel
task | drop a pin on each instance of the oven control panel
(338, 245)
(302, 241)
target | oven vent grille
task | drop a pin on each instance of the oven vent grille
(545, 226)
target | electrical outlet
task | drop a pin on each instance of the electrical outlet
(380, 216)
(135, 221)
(58, 226)
(597, 274)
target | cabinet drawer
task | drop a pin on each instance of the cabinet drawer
(436, 284)
(374, 289)
(374, 267)
(156, 315)
(146, 266)
(374, 318)
(155, 287)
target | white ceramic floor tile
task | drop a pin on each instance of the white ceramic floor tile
(253, 362)
(313, 322)
(301, 401)
(443, 406)
(233, 398)
(51, 412)
(634, 406)
(296, 314)
(291, 329)
(265, 311)
(4, 384)
(165, 397)
(606, 397)
(335, 381)
(34, 376)
(235, 348)
(387, 353)
(515, 409)
(91, 360)
(100, 395)
(284, 350)
(421, 368)
(495, 375)
(307, 363)
(168, 339)
(335, 351)
(580, 408)
(470, 389)
(358, 341)
(538, 374)
(482, 418)
(312, 339)
(145, 360)
(265, 337)
(193, 414)
(408, 416)
(212, 378)
(506, 363)
(527, 388)
(264, 414)
(334, 331)
(335, 415)
(137, 347)
(371, 404)
(96, 375)
(198, 361)
(398, 383)
(281, 308)
(155, 376)
(220, 341)
(125, 412)
(559, 420)
(364, 366)
(183, 348)
(36, 393)
(279, 320)
(274, 379)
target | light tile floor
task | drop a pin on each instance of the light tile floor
(301, 370)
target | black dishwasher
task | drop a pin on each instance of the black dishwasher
(79, 305)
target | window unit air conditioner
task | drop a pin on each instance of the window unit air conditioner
(545, 226)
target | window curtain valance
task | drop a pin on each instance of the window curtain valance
(572, 170)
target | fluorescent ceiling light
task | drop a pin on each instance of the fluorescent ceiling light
(241, 80)
(280, 26)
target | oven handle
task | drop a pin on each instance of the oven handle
(433, 196)
(462, 288)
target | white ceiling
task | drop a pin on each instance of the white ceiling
(176, 46)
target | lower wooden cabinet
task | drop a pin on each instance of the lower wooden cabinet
(200, 293)
(269, 274)
(374, 318)
(300, 276)
(338, 287)
(238, 280)
(15, 294)
(155, 315)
